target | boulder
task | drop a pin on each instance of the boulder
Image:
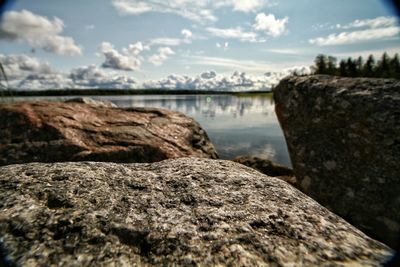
(179, 212)
(93, 130)
(269, 168)
(343, 136)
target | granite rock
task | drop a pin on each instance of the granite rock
(268, 167)
(186, 212)
(343, 136)
(83, 129)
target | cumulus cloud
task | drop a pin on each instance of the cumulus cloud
(270, 25)
(17, 66)
(210, 80)
(233, 33)
(128, 59)
(163, 54)
(374, 29)
(85, 77)
(38, 31)
(201, 11)
(94, 77)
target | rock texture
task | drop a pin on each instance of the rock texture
(343, 136)
(83, 129)
(269, 168)
(187, 212)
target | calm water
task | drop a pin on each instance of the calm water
(236, 125)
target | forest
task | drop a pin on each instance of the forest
(384, 67)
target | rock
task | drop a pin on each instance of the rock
(91, 101)
(57, 131)
(186, 212)
(343, 136)
(269, 168)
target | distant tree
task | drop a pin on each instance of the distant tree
(383, 68)
(320, 64)
(351, 67)
(395, 67)
(342, 68)
(386, 67)
(369, 67)
(331, 65)
(359, 65)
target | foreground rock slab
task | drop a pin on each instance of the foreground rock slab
(184, 212)
(343, 136)
(84, 129)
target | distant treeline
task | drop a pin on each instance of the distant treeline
(385, 67)
(91, 92)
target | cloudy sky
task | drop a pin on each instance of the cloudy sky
(194, 44)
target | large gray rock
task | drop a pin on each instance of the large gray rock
(343, 136)
(85, 129)
(184, 212)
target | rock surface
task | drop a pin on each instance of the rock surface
(185, 212)
(269, 168)
(343, 136)
(92, 102)
(93, 130)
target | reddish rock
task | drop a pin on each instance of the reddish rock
(61, 131)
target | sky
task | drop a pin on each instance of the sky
(184, 44)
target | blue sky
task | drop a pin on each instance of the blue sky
(184, 43)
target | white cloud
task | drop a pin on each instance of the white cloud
(45, 81)
(17, 66)
(94, 77)
(248, 5)
(166, 41)
(224, 46)
(163, 55)
(193, 10)
(129, 59)
(241, 65)
(210, 80)
(375, 29)
(233, 33)
(201, 11)
(82, 78)
(38, 31)
(187, 33)
(356, 36)
(378, 22)
(40, 75)
(270, 25)
(283, 51)
(169, 41)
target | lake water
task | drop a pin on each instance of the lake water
(237, 125)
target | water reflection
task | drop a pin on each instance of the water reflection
(209, 106)
(236, 125)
